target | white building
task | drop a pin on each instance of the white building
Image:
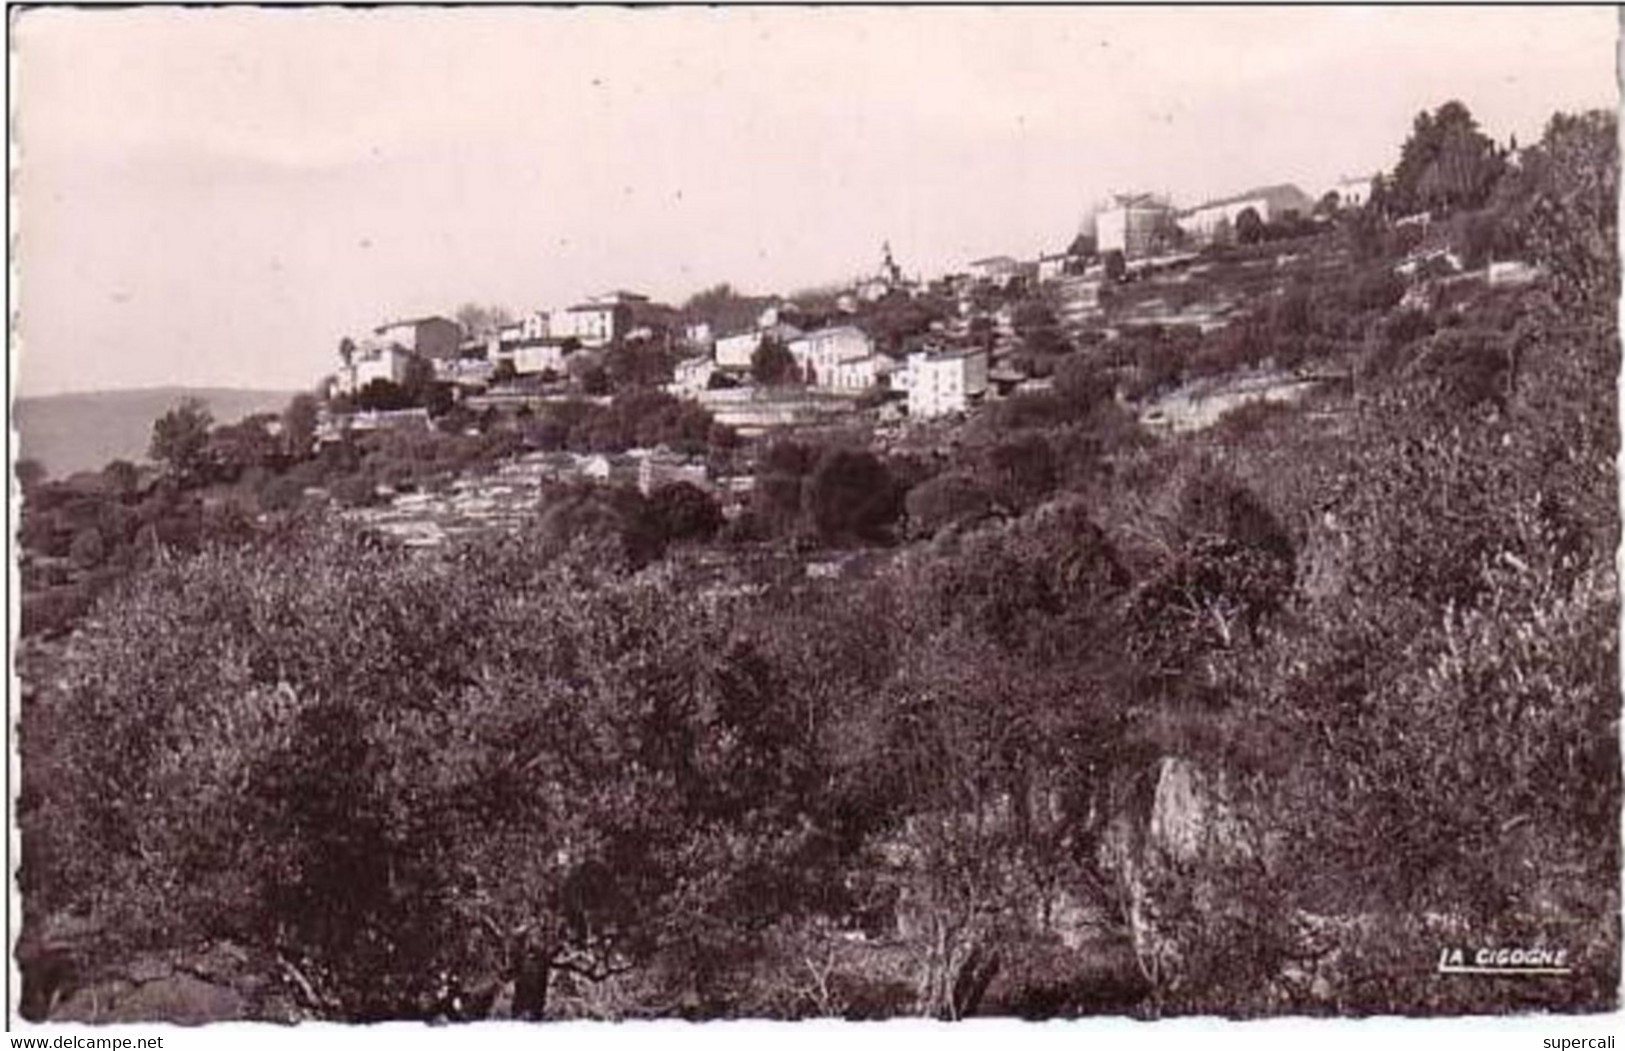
(374, 360)
(429, 337)
(660, 468)
(998, 270)
(944, 382)
(692, 376)
(1137, 226)
(819, 353)
(1052, 266)
(535, 325)
(530, 358)
(596, 467)
(599, 321)
(1216, 220)
(1353, 192)
(735, 352)
(590, 324)
(855, 377)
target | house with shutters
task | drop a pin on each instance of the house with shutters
(943, 382)
(818, 354)
(428, 337)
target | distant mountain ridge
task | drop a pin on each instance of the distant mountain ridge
(83, 431)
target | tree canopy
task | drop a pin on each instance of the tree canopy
(772, 364)
(180, 438)
(1445, 165)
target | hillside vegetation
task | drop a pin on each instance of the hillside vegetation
(1252, 719)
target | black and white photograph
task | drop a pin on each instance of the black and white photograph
(919, 515)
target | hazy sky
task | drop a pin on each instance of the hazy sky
(215, 197)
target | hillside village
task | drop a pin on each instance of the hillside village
(965, 351)
(897, 357)
(887, 351)
(1190, 621)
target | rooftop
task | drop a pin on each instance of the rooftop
(948, 353)
(404, 322)
(620, 295)
(831, 330)
(1284, 195)
(1139, 200)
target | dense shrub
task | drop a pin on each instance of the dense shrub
(327, 793)
(355, 491)
(1019, 472)
(683, 511)
(950, 497)
(851, 495)
(1378, 288)
(613, 526)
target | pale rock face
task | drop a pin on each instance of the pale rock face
(1191, 818)
(1190, 823)
(1324, 563)
(1178, 811)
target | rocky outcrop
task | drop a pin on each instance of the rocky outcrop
(1177, 821)
(1192, 816)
